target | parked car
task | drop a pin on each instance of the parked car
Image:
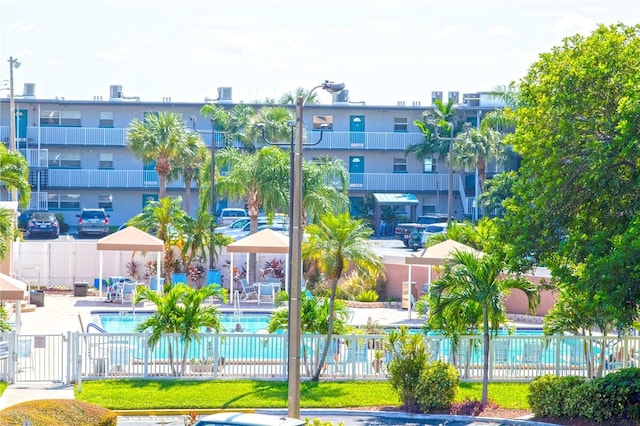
(247, 419)
(238, 224)
(229, 215)
(93, 222)
(240, 233)
(435, 228)
(42, 224)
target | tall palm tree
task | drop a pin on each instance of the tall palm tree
(158, 138)
(276, 120)
(324, 188)
(261, 179)
(337, 244)
(229, 123)
(470, 280)
(290, 97)
(180, 311)
(188, 164)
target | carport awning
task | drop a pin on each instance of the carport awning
(383, 198)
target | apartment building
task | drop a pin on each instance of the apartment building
(78, 156)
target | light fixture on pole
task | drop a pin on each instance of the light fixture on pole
(212, 199)
(295, 244)
(13, 63)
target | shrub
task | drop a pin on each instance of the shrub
(368, 296)
(58, 412)
(470, 407)
(549, 395)
(615, 396)
(409, 359)
(438, 386)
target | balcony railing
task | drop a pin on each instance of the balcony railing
(78, 178)
(36, 158)
(334, 140)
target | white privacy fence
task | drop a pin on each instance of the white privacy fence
(80, 356)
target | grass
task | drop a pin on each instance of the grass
(251, 394)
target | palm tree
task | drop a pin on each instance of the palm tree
(290, 98)
(314, 315)
(188, 164)
(158, 138)
(337, 244)
(229, 123)
(470, 280)
(324, 188)
(180, 311)
(14, 174)
(261, 179)
(166, 219)
(276, 121)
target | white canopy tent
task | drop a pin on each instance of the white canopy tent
(131, 239)
(265, 241)
(435, 255)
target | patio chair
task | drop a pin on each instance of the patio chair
(247, 290)
(500, 349)
(268, 290)
(531, 354)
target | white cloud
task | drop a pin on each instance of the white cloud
(572, 22)
(499, 30)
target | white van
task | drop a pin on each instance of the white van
(229, 215)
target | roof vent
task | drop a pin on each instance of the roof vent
(436, 96)
(341, 97)
(454, 95)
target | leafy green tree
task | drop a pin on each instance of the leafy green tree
(14, 174)
(158, 138)
(182, 312)
(336, 244)
(498, 189)
(188, 164)
(470, 281)
(576, 204)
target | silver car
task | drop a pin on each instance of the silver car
(93, 222)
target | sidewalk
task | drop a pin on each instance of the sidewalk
(21, 392)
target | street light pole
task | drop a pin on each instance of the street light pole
(295, 243)
(450, 195)
(212, 198)
(13, 63)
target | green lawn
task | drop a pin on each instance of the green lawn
(251, 394)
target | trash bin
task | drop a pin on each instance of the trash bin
(36, 297)
(80, 288)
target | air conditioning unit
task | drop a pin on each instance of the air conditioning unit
(29, 90)
(224, 95)
(436, 96)
(341, 97)
(454, 95)
(471, 99)
(115, 92)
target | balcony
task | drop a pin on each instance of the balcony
(331, 140)
(36, 158)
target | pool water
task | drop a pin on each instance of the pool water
(126, 322)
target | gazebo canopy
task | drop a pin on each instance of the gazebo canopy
(265, 241)
(437, 254)
(131, 239)
(11, 288)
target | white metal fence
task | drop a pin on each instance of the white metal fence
(80, 356)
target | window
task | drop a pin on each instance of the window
(429, 165)
(105, 202)
(106, 160)
(64, 201)
(64, 160)
(400, 165)
(324, 122)
(106, 119)
(50, 117)
(400, 124)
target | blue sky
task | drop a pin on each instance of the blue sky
(384, 51)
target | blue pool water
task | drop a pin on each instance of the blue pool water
(126, 322)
